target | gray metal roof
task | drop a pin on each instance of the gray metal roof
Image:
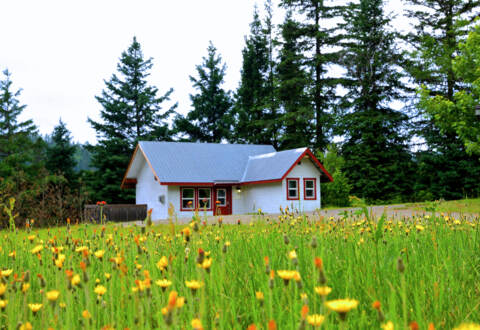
(270, 166)
(200, 162)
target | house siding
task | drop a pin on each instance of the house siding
(304, 171)
(148, 192)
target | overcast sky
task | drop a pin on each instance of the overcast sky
(59, 51)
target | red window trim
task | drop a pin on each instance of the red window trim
(198, 199)
(194, 199)
(298, 188)
(196, 204)
(216, 197)
(314, 189)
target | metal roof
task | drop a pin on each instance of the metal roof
(200, 162)
(270, 166)
(214, 163)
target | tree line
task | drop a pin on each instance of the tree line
(392, 115)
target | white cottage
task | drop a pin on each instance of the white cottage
(223, 178)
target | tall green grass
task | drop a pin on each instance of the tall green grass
(360, 257)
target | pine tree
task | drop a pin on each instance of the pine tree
(293, 80)
(256, 106)
(252, 116)
(21, 148)
(377, 160)
(440, 26)
(321, 43)
(131, 112)
(61, 153)
(211, 119)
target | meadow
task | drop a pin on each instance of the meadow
(291, 272)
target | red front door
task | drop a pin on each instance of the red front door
(223, 200)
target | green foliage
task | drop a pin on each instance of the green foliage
(8, 208)
(376, 152)
(334, 193)
(297, 115)
(61, 152)
(21, 148)
(131, 111)
(458, 113)
(319, 41)
(210, 120)
(255, 109)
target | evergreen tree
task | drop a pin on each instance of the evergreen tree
(131, 112)
(211, 119)
(321, 44)
(252, 115)
(377, 160)
(440, 26)
(61, 153)
(293, 80)
(256, 106)
(21, 148)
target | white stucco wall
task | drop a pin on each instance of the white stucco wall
(305, 170)
(270, 196)
(148, 191)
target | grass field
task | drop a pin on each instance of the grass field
(264, 275)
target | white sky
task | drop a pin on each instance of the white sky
(60, 51)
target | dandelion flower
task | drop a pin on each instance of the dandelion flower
(323, 290)
(3, 288)
(193, 285)
(197, 324)
(86, 314)
(75, 280)
(6, 272)
(162, 263)
(163, 283)
(259, 295)
(100, 290)
(99, 254)
(468, 326)
(3, 304)
(388, 326)
(342, 306)
(315, 320)
(37, 249)
(53, 295)
(35, 307)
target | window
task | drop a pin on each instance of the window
(310, 188)
(222, 197)
(187, 199)
(204, 198)
(292, 189)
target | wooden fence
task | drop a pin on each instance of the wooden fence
(116, 212)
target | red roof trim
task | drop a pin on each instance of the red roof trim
(123, 185)
(307, 152)
(187, 183)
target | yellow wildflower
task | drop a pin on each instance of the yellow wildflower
(35, 307)
(100, 290)
(316, 319)
(53, 295)
(197, 324)
(163, 283)
(75, 280)
(468, 326)
(86, 314)
(193, 285)
(323, 290)
(162, 263)
(387, 326)
(6, 272)
(37, 249)
(99, 254)
(3, 304)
